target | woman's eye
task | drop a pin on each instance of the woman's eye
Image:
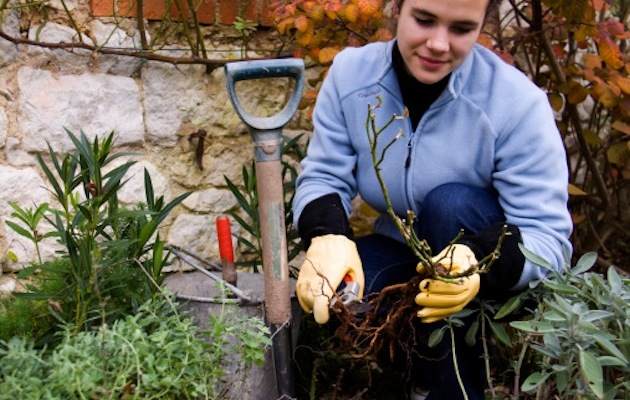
(424, 21)
(461, 30)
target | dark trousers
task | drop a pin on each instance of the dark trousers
(446, 210)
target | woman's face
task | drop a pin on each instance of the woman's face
(435, 36)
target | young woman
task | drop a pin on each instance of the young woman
(480, 149)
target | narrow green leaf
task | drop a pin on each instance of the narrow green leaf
(19, 230)
(51, 178)
(534, 380)
(509, 306)
(158, 261)
(610, 361)
(610, 347)
(464, 313)
(562, 380)
(533, 326)
(248, 244)
(615, 282)
(471, 334)
(148, 190)
(252, 230)
(500, 333)
(39, 213)
(535, 258)
(592, 373)
(436, 336)
(595, 315)
(243, 203)
(585, 263)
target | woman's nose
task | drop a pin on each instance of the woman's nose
(438, 41)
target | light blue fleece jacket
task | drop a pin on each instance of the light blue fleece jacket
(491, 127)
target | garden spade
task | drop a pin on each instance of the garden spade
(267, 136)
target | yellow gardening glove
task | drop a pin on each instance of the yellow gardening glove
(328, 260)
(440, 299)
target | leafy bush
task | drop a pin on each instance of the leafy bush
(113, 257)
(579, 334)
(156, 353)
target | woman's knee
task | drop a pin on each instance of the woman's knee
(455, 199)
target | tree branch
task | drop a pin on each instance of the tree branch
(145, 55)
(537, 27)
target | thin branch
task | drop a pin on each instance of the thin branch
(200, 43)
(140, 20)
(459, 378)
(486, 354)
(71, 19)
(145, 55)
(536, 27)
(180, 10)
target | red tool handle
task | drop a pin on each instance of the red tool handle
(224, 234)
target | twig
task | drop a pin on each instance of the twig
(517, 372)
(180, 10)
(459, 378)
(200, 44)
(72, 21)
(536, 27)
(140, 20)
(486, 355)
(193, 263)
(146, 55)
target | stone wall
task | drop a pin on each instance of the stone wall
(152, 107)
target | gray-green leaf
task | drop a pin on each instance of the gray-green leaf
(610, 347)
(471, 334)
(534, 380)
(592, 373)
(436, 336)
(614, 280)
(585, 263)
(506, 309)
(500, 333)
(533, 326)
(535, 258)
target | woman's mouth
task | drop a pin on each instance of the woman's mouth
(431, 63)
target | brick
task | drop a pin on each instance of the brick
(249, 9)
(205, 11)
(154, 9)
(228, 10)
(266, 16)
(102, 8)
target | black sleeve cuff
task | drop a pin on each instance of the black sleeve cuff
(505, 272)
(322, 216)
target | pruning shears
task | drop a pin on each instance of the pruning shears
(350, 293)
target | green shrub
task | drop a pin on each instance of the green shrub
(579, 334)
(156, 353)
(113, 257)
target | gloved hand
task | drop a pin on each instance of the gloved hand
(328, 260)
(440, 299)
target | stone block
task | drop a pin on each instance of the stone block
(75, 59)
(110, 35)
(3, 127)
(10, 24)
(133, 191)
(94, 103)
(26, 188)
(210, 200)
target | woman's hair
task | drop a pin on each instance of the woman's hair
(492, 4)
